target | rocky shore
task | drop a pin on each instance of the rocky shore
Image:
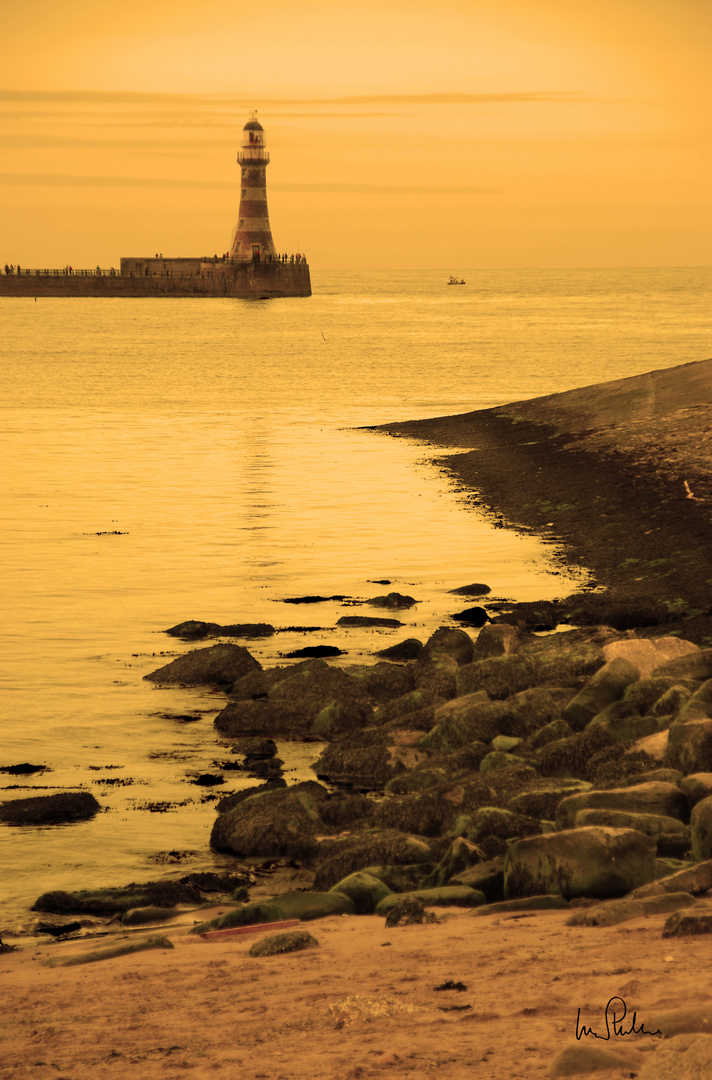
(494, 769)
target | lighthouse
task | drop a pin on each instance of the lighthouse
(253, 236)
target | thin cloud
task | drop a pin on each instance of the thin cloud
(70, 180)
(106, 97)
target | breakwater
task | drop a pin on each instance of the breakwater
(245, 281)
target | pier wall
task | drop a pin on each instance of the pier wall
(245, 281)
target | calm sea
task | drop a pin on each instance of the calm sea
(164, 460)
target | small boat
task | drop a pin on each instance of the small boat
(456, 281)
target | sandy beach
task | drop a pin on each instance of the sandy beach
(361, 1005)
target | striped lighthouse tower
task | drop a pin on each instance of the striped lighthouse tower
(253, 236)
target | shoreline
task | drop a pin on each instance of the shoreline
(603, 470)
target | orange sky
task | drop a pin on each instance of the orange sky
(455, 134)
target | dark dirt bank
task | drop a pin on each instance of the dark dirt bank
(620, 473)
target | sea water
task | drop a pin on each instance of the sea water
(173, 459)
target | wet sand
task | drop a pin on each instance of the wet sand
(361, 1005)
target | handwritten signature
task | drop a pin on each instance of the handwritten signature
(614, 1020)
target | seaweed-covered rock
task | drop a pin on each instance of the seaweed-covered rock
(693, 665)
(593, 861)
(117, 901)
(408, 912)
(341, 716)
(493, 821)
(195, 630)
(486, 877)
(313, 905)
(695, 787)
(276, 822)
(611, 912)
(339, 856)
(662, 799)
(701, 823)
(455, 644)
(447, 896)
(669, 833)
(572, 756)
(383, 682)
(460, 856)
(244, 915)
(60, 809)
(551, 732)
(231, 801)
(240, 718)
(606, 686)
(427, 813)
(409, 649)
(276, 944)
(541, 798)
(401, 879)
(218, 665)
(364, 890)
(496, 640)
(366, 766)
(254, 748)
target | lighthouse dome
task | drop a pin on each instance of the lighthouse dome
(253, 125)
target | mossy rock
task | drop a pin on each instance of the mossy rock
(503, 824)
(447, 896)
(364, 890)
(416, 780)
(545, 902)
(146, 915)
(461, 855)
(275, 944)
(248, 915)
(313, 905)
(400, 879)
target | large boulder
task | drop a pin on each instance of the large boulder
(651, 798)
(696, 787)
(460, 856)
(117, 901)
(541, 798)
(496, 640)
(701, 824)
(276, 822)
(647, 654)
(380, 683)
(594, 861)
(606, 686)
(218, 665)
(447, 896)
(372, 765)
(257, 718)
(340, 856)
(364, 890)
(693, 665)
(57, 809)
(670, 835)
(455, 644)
(692, 879)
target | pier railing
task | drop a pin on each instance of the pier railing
(21, 271)
(98, 271)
